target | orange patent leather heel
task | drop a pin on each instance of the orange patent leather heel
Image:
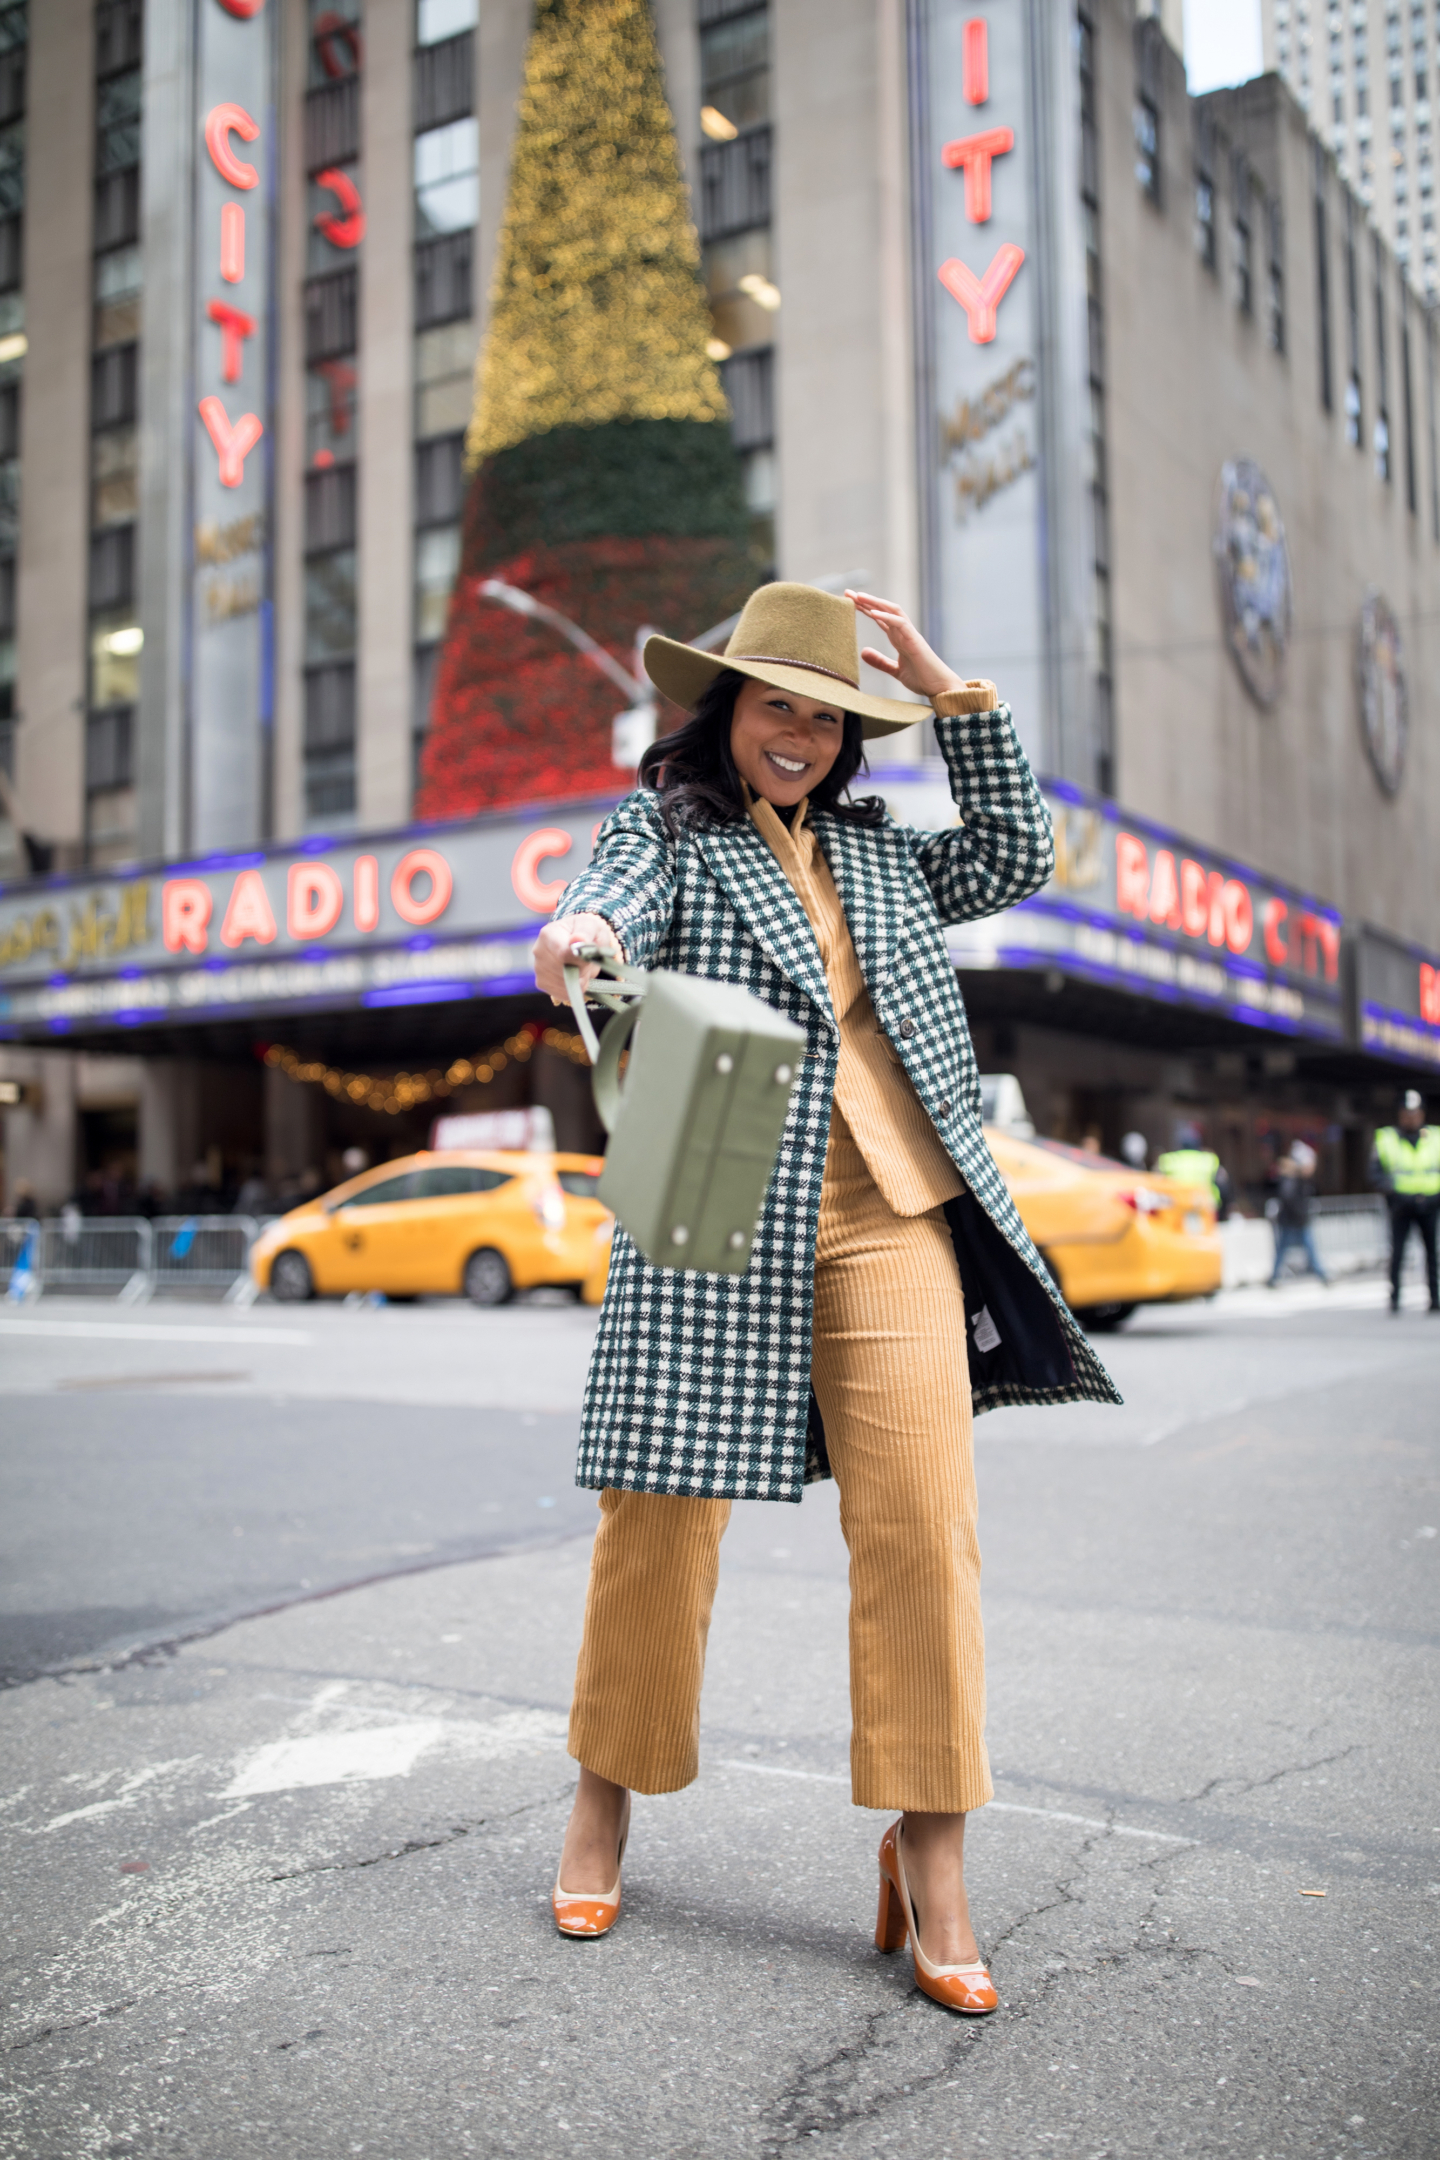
(965, 1988)
(585, 1914)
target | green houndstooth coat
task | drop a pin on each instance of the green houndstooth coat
(701, 1383)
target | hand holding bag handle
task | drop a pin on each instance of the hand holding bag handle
(622, 993)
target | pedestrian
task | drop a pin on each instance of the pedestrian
(1135, 1150)
(1292, 1202)
(843, 1348)
(1195, 1164)
(1405, 1165)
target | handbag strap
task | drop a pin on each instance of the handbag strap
(621, 993)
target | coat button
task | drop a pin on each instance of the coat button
(907, 1029)
(944, 1109)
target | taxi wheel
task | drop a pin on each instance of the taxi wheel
(487, 1278)
(291, 1282)
(1103, 1319)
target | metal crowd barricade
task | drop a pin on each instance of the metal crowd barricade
(97, 1252)
(203, 1252)
(1352, 1232)
(128, 1257)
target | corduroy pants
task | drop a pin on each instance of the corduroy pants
(890, 1374)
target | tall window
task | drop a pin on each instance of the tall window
(1205, 244)
(1353, 407)
(447, 215)
(1275, 278)
(1244, 266)
(1102, 673)
(1382, 372)
(737, 238)
(116, 641)
(1147, 148)
(332, 367)
(1322, 284)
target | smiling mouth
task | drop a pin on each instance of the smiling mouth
(791, 767)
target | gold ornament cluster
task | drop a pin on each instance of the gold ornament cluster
(405, 1090)
(596, 308)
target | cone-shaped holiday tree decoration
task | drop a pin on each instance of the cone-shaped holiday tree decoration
(603, 478)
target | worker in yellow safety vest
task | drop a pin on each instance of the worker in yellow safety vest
(1405, 1164)
(1194, 1164)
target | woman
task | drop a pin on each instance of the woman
(844, 1349)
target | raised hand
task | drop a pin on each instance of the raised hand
(553, 952)
(917, 668)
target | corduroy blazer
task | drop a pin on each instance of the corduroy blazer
(700, 1383)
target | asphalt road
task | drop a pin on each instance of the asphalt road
(279, 1884)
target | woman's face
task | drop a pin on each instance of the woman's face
(784, 745)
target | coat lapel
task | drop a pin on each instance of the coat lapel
(767, 903)
(872, 873)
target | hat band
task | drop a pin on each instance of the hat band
(811, 667)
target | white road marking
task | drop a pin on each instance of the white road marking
(1003, 1807)
(344, 1758)
(151, 1331)
(125, 1798)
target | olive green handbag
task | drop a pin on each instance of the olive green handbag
(695, 1128)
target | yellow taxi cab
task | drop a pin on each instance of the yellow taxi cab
(482, 1224)
(1113, 1237)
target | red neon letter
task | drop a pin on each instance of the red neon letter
(232, 242)
(972, 153)
(235, 327)
(1215, 908)
(344, 228)
(421, 861)
(1329, 945)
(221, 122)
(1429, 994)
(1165, 891)
(1132, 875)
(981, 297)
(185, 905)
(248, 914)
(1277, 945)
(233, 445)
(1239, 916)
(1194, 899)
(367, 892)
(314, 897)
(975, 62)
(242, 10)
(531, 890)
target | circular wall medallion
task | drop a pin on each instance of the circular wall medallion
(1254, 569)
(1384, 714)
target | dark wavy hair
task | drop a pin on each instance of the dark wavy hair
(696, 778)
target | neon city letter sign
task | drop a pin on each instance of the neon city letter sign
(981, 295)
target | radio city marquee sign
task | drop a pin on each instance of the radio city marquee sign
(1397, 997)
(415, 917)
(1137, 908)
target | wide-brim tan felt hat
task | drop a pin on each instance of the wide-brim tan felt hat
(794, 637)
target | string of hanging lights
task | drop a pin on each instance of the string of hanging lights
(399, 1091)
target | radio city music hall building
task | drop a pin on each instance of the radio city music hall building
(1117, 390)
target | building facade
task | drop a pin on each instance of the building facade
(1124, 394)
